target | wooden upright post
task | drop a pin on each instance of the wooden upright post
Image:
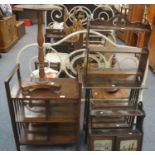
(40, 40)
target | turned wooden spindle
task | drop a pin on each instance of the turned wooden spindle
(40, 40)
(42, 82)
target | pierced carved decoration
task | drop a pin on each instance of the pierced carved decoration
(77, 25)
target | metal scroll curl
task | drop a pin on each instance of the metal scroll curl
(119, 21)
(103, 12)
(56, 15)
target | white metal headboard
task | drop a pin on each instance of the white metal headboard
(117, 47)
(101, 11)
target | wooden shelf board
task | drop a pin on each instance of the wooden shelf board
(115, 132)
(112, 73)
(52, 138)
(71, 93)
(133, 50)
(108, 120)
(43, 118)
(121, 94)
(111, 105)
(113, 113)
(100, 83)
(110, 125)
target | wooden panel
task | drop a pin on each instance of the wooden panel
(101, 143)
(136, 12)
(69, 90)
(151, 18)
(98, 82)
(113, 73)
(108, 120)
(47, 113)
(102, 94)
(135, 15)
(20, 28)
(129, 142)
(116, 136)
(110, 125)
(116, 113)
(110, 104)
(56, 134)
(8, 33)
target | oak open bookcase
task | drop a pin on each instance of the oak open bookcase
(43, 117)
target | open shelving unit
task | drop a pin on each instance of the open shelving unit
(44, 117)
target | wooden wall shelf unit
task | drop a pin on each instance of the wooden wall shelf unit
(113, 113)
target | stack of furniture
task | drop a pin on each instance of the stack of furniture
(113, 112)
(46, 111)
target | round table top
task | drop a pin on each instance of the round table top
(43, 7)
